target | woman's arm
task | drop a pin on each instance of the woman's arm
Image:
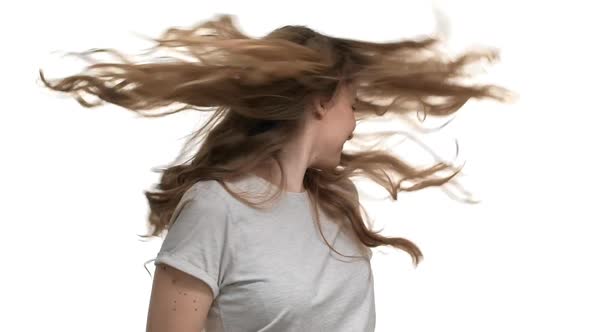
(179, 302)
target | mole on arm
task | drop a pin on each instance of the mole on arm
(179, 292)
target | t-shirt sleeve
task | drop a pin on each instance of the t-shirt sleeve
(199, 239)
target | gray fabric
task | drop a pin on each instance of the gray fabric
(270, 270)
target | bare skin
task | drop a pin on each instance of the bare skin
(180, 300)
(318, 143)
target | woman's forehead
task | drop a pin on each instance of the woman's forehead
(352, 87)
(347, 89)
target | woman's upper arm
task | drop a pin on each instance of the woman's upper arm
(179, 302)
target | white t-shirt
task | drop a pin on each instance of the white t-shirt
(270, 270)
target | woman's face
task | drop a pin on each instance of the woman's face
(336, 126)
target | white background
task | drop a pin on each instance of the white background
(73, 178)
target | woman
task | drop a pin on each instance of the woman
(283, 107)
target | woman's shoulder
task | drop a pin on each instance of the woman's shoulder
(215, 190)
(204, 190)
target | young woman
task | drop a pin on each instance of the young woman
(265, 231)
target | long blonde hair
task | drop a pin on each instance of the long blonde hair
(257, 89)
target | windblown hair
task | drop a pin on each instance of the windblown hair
(257, 89)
